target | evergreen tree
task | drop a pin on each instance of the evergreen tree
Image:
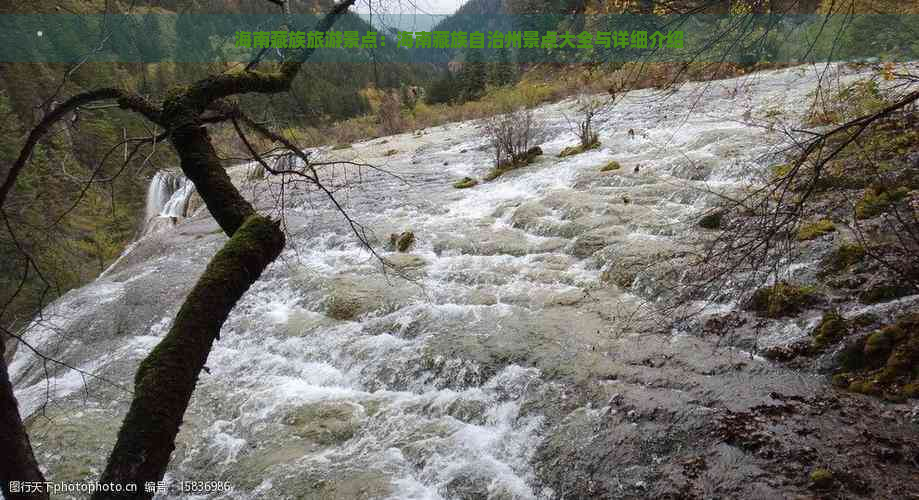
(503, 71)
(474, 76)
(444, 90)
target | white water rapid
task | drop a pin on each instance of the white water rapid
(497, 339)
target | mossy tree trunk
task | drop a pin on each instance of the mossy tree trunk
(17, 463)
(166, 379)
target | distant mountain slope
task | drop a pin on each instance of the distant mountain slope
(470, 17)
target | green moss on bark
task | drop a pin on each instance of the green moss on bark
(201, 165)
(166, 379)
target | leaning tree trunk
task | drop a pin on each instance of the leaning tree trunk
(166, 379)
(17, 463)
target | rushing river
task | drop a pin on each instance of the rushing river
(444, 375)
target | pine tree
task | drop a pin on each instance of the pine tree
(444, 90)
(474, 76)
(503, 71)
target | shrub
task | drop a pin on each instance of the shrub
(389, 114)
(854, 100)
(515, 163)
(510, 135)
(424, 115)
(588, 109)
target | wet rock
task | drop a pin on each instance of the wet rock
(405, 261)
(79, 439)
(350, 485)
(547, 297)
(694, 171)
(465, 182)
(300, 322)
(487, 240)
(782, 299)
(194, 203)
(555, 262)
(480, 297)
(402, 242)
(572, 203)
(324, 423)
(879, 289)
(611, 166)
(468, 410)
(468, 485)
(528, 214)
(623, 264)
(586, 245)
(784, 353)
(260, 462)
(349, 297)
(822, 479)
(589, 243)
(160, 224)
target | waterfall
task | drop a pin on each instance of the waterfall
(167, 196)
(177, 205)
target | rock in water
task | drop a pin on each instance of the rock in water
(404, 241)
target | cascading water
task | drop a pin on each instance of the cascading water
(490, 365)
(167, 196)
